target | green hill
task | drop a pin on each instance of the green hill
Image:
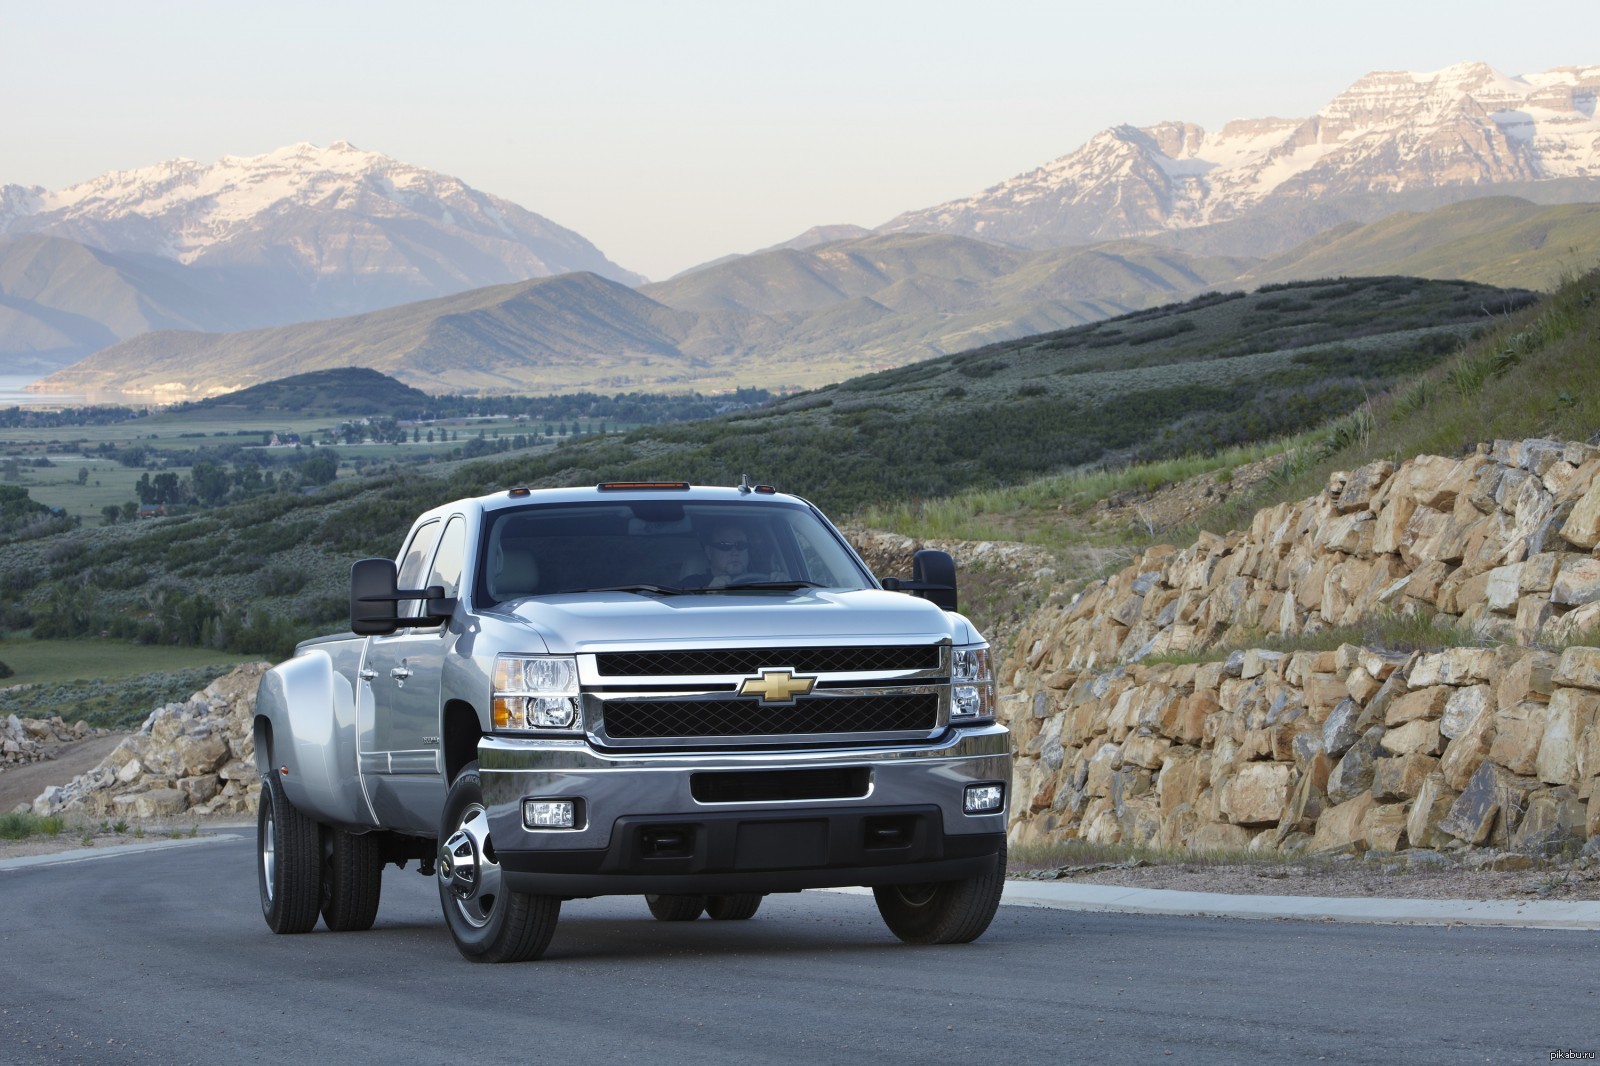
(1532, 374)
(345, 392)
(1218, 370)
(788, 318)
(503, 338)
(1498, 240)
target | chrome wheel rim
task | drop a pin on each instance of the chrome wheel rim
(467, 869)
(269, 855)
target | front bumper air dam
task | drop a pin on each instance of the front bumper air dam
(644, 831)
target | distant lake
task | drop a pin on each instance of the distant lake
(12, 393)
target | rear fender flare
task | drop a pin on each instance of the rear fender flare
(306, 738)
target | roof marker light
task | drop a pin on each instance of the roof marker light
(642, 486)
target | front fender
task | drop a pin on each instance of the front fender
(305, 709)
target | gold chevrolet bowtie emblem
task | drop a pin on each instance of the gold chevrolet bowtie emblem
(776, 686)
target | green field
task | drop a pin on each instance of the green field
(164, 432)
(111, 484)
(57, 486)
(54, 661)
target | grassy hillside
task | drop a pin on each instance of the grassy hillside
(341, 393)
(1223, 368)
(1218, 370)
(1498, 240)
(497, 338)
(1531, 373)
(786, 318)
(1535, 373)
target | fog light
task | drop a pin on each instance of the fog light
(984, 799)
(550, 814)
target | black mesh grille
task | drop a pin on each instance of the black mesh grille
(757, 786)
(639, 720)
(749, 660)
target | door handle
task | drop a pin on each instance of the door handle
(367, 673)
(400, 673)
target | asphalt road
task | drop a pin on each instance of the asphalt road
(163, 957)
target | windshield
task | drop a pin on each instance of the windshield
(660, 547)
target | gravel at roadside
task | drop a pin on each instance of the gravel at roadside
(1402, 876)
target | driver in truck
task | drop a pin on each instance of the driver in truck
(727, 549)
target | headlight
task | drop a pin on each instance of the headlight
(972, 684)
(535, 692)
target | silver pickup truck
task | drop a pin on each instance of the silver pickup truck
(698, 695)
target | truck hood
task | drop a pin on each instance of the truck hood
(615, 620)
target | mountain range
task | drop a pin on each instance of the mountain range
(1392, 140)
(789, 317)
(175, 281)
(801, 318)
(296, 234)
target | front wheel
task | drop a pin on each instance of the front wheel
(488, 921)
(288, 862)
(947, 912)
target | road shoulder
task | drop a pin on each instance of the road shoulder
(1533, 914)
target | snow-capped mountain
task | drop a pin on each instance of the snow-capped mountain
(1392, 136)
(307, 232)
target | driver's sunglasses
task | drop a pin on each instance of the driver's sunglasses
(731, 545)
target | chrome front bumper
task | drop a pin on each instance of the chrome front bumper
(906, 824)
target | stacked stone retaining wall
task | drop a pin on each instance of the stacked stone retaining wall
(1493, 744)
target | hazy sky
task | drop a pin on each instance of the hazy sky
(670, 133)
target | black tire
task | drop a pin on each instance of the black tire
(734, 908)
(352, 879)
(488, 921)
(288, 862)
(675, 908)
(950, 912)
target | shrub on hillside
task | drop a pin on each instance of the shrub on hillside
(120, 704)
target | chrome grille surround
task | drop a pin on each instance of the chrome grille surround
(666, 712)
(847, 658)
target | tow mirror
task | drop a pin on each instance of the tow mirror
(933, 578)
(374, 599)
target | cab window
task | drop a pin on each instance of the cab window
(414, 564)
(448, 560)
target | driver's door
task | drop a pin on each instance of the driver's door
(401, 761)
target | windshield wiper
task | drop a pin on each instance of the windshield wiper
(662, 590)
(776, 586)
